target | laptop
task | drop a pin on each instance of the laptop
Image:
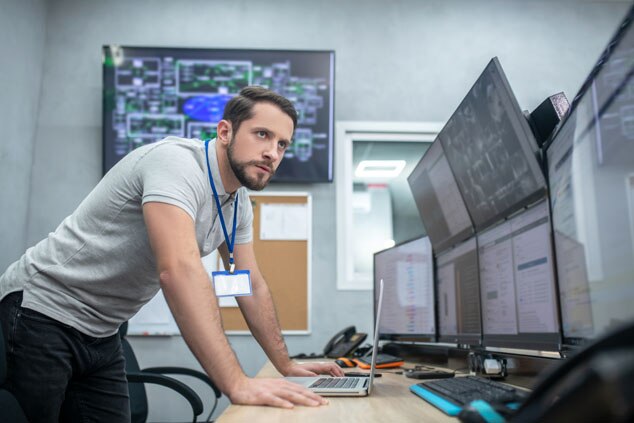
(348, 386)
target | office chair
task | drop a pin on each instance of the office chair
(9, 406)
(138, 377)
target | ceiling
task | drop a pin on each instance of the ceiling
(411, 152)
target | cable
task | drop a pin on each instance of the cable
(212, 409)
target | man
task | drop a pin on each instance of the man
(145, 227)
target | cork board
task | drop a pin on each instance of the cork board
(285, 267)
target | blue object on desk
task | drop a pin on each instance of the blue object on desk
(435, 400)
(486, 412)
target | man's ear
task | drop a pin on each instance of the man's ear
(224, 131)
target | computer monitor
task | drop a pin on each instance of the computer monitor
(517, 283)
(591, 177)
(458, 294)
(492, 151)
(407, 270)
(150, 93)
(438, 200)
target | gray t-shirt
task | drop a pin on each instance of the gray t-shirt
(97, 269)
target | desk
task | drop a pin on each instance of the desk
(390, 401)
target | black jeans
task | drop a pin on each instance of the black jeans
(60, 374)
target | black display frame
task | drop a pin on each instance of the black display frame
(526, 139)
(461, 339)
(287, 172)
(536, 341)
(571, 343)
(441, 245)
(406, 337)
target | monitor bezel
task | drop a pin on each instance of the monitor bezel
(406, 337)
(526, 136)
(464, 234)
(604, 57)
(291, 180)
(469, 339)
(573, 343)
(537, 341)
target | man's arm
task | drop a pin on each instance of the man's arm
(188, 292)
(259, 312)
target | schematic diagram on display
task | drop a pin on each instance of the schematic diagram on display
(487, 146)
(149, 97)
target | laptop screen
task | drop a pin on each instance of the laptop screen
(375, 347)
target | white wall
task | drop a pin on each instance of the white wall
(22, 41)
(402, 60)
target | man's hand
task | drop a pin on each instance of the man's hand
(274, 392)
(313, 369)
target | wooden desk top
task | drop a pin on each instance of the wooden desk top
(390, 401)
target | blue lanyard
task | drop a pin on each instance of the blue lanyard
(222, 219)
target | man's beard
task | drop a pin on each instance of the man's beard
(239, 169)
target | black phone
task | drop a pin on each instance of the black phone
(344, 342)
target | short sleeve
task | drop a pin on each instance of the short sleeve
(171, 174)
(244, 229)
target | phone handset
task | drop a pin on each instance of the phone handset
(344, 342)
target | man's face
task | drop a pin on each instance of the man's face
(257, 148)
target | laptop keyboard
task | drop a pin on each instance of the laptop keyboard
(335, 382)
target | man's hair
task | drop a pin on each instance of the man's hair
(240, 107)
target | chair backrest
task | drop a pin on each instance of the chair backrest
(11, 410)
(138, 395)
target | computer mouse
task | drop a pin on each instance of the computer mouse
(480, 411)
(470, 414)
(345, 362)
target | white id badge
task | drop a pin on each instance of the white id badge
(228, 284)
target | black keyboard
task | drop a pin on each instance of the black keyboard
(463, 390)
(336, 382)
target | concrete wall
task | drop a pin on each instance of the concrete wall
(403, 60)
(22, 43)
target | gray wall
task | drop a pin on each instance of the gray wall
(22, 42)
(403, 60)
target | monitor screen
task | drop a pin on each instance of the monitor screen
(458, 294)
(151, 93)
(591, 177)
(407, 271)
(491, 150)
(438, 200)
(517, 283)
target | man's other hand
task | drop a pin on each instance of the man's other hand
(313, 369)
(274, 392)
